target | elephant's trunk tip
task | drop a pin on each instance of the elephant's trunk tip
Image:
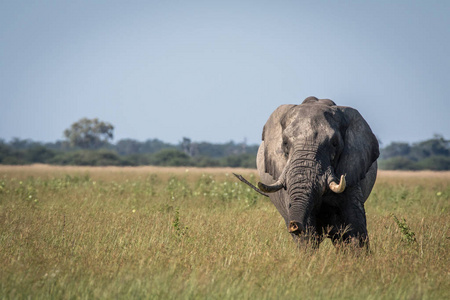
(295, 227)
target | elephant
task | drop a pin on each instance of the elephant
(318, 164)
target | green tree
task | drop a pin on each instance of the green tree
(396, 149)
(398, 163)
(39, 154)
(102, 157)
(240, 161)
(170, 157)
(435, 163)
(89, 133)
(432, 147)
(128, 146)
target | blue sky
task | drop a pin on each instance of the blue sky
(215, 70)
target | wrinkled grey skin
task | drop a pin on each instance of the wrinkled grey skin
(315, 143)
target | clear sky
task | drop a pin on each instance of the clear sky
(215, 70)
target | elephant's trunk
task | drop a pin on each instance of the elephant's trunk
(305, 186)
(307, 173)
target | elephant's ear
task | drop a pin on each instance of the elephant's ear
(274, 158)
(360, 150)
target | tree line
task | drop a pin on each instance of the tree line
(129, 153)
(88, 142)
(431, 154)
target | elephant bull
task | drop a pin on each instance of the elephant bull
(317, 163)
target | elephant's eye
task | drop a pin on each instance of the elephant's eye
(334, 143)
(285, 147)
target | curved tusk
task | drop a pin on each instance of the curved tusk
(338, 188)
(278, 185)
(249, 184)
(271, 188)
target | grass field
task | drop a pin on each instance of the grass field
(177, 233)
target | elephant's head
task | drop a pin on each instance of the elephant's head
(313, 149)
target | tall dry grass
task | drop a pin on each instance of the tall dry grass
(166, 233)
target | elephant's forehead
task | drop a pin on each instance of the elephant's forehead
(306, 120)
(310, 115)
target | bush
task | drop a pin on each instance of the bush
(398, 163)
(435, 163)
(10, 156)
(243, 160)
(88, 158)
(204, 161)
(170, 157)
(39, 154)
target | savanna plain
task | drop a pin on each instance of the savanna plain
(177, 233)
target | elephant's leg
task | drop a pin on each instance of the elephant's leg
(329, 220)
(349, 226)
(307, 241)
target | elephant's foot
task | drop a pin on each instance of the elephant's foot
(307, 241)
(356, 245)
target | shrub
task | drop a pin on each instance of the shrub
(170, 157)
(398, 163)
(435, 163)
(88, 158)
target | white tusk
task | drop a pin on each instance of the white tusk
(338, 188)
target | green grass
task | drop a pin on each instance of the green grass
(174, 234)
